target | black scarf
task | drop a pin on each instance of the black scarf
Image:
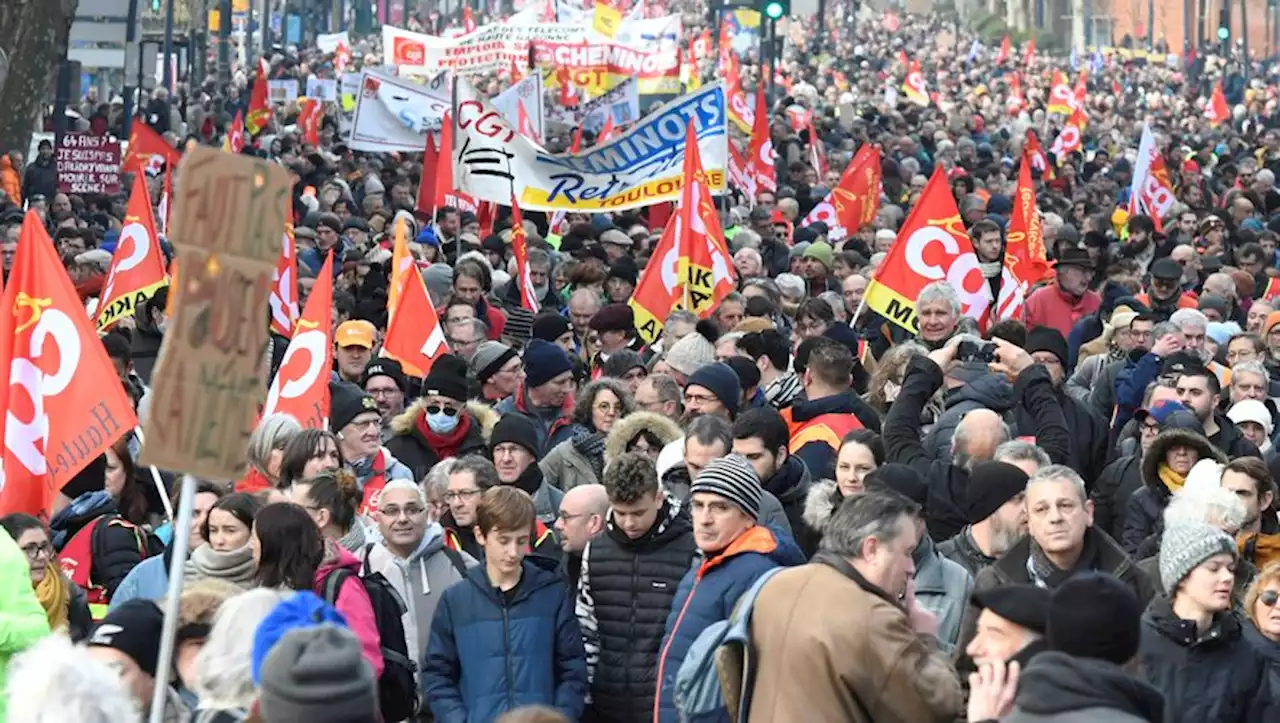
(1048, 574)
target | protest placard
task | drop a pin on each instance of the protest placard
(87, 164)
(324, 89)
(227, 226)
(395, 114)
(284, 90)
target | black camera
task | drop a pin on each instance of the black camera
(971, 351)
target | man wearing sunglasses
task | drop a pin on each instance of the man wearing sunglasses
(440, 424)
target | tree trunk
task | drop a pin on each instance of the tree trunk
(34, 34)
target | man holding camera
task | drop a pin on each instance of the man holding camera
(978, 434)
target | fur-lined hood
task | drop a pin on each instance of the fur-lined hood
(406, 422)
(1169, 439)
(821, 504)
(625, 429)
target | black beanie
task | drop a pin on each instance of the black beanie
(549, 327)
(991, 484)
(447, 378)
(346, 402)
(133, 628)
(1094, 615)
(516, 429)
(1044, 338)
(899, 478)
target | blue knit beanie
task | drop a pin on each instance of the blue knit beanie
(720, 380)
(544, 361)
(300, 610)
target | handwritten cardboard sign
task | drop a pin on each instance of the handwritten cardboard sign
(228, 220)
(87, 164)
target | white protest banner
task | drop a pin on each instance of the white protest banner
(491, 161)
(622, 102)
(529, 93)
(489, 49)
(284, 90)
(395, 114)
(325, 89)
(328, 42)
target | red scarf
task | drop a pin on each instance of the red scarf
(445, 445)
(253, 481)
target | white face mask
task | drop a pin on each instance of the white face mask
(442, 423)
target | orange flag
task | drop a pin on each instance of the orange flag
(853, 203)
(137, 268)
(259, 107)
(402, 267)
(760, 148)
(1031, 52)
(64, 403)
(1024, 247)
(693, 268)
(1006, 49)
(149, 148)
(932, 245)
(284, 282)
(414, 334)
(1217, 111)
(301, 386)
(913, 85)
(468, 20)
(520, 247)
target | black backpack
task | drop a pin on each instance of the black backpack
(398, 696)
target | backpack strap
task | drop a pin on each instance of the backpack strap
(455, 557)
(333, 583)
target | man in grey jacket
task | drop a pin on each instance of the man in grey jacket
(413, 558)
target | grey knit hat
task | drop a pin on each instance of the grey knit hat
(691, 352)
(489, 359)
(1184, 547)
(317, 675)
(733, 478)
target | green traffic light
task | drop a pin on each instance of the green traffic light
(773, 10)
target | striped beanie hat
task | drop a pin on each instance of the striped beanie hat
(733, 478)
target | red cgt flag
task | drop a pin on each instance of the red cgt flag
(760, 148)
(301, 386)
(932, 245)
(520, 248)
(693, 268)
(1217, 111)
(414, 335)
(149, 148)
(853, 203)
(468, 20)
(309, 120)
(1006, 49)
(426, 206)
(259, 106)
(235, 135)
(64, 403)
(284, 282)
(445, 194)
(137, 268)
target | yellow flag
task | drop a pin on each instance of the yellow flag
(607, 20)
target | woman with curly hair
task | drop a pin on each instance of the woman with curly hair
(886, 380)
(579, 460)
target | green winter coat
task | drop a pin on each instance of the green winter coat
(22, 620)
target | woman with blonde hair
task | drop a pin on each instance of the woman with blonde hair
(1262, 606)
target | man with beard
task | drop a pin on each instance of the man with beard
(1166, 295)
(988, 244)
(994, 503)
(1069, 299)
(1199, 391)
(1140, 245)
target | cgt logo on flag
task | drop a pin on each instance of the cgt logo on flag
(407, 51)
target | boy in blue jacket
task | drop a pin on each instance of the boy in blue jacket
(507, 635)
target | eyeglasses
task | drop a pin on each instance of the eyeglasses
(1269, 597)
(570, 517)
(699, 398)
(36, 549)
(408, 511)
(437, 409)
(455, 495)
(607, 407)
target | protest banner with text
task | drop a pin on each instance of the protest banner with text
(87, 163)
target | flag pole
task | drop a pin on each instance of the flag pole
(169, 633)
(155, 478)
